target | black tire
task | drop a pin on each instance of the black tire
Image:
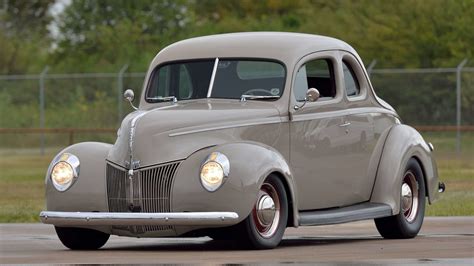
(406, 224)
(247, 233)
(81, 238)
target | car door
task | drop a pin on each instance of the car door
(360, 126)
(318, 135)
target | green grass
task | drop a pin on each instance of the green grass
(458, 199)
(456, 171)
(22, 187)
(22, 179)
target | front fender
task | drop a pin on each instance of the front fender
(403, 142)
(250, 164)
(88, 193)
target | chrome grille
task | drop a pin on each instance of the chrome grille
(151, 189)
(117, 189)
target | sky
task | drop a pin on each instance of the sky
(55, 11)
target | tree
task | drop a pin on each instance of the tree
(106, 34)
(24, 37)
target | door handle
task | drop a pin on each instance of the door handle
(345, 124)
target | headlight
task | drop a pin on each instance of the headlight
(214, 170)
(65, 171)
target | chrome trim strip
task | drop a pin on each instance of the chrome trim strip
(213, 76)
(138, 218)
(266, 121)
(297, 117)
(133, 124)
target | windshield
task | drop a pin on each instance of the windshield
(233, 78)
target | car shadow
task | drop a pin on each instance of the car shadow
(206, 244)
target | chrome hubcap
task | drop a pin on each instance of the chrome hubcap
(407, 197)
(266, 213)
(266, 209)
(409, 193)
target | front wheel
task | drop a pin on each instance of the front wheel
(408, 222)
(81, 238)
(266, 224)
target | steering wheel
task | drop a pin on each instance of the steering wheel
(251, 91)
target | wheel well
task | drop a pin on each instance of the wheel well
(424, 174)
(290, 222)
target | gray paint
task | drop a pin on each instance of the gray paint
(370, 149)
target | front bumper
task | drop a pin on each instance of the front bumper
(138, 218)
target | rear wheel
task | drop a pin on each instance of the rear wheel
(266, 224)
(408, 222)
(81, 238)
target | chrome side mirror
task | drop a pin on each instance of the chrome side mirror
(129, 95)
(312, 95)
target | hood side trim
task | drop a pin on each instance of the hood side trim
(265, 121)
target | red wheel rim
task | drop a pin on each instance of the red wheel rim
(410, 197)
(266, 211)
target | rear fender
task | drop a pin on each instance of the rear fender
(403, 142)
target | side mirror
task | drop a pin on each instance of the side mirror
(129, 95)
(312, 95)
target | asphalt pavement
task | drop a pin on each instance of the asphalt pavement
(442, 241)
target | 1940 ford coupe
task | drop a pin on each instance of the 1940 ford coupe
(238, 136)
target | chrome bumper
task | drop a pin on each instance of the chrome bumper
(138, 218)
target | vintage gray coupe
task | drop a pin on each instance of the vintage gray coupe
(238, 136)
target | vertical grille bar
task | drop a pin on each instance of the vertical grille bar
(152, 191)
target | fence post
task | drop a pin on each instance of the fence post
(41, 100)
(371, 66)
(120, 92)
(458, 104)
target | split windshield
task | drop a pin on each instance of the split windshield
(233, 78)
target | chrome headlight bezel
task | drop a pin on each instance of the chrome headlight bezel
(223, 162)
(67, 160)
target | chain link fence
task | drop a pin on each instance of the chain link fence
(422, 97)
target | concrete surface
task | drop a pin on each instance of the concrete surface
(442, 241)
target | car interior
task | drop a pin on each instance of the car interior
(320, 75)
(233, 80)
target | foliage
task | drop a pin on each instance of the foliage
(24, 39)
(104, 35)
(110, 33)
(406, 33)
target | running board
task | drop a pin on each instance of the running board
(352, 213)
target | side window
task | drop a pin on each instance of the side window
(185, 83)
(350, 79)
(318, 74)
(170, 77)
(163, 80)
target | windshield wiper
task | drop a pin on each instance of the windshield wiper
(244, 97)
(163, 99)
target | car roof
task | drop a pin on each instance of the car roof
(283, 46)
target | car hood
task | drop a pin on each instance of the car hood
(172, 132)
